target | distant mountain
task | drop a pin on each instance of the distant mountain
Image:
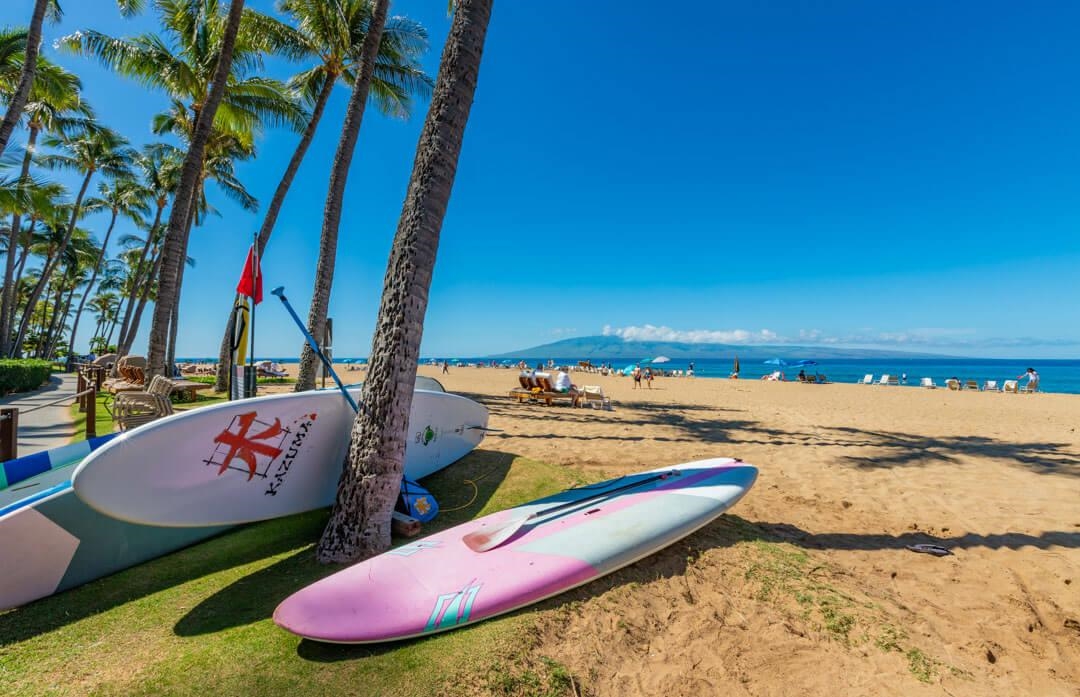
(603, 348)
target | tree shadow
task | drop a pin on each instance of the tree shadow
(234, 548)
(254, 597)
(895, 449)
(870, 542)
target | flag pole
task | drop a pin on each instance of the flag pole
(254, 285)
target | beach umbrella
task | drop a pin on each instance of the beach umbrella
(661, 359)
(778, 362)
(628, 370)
(804, 364)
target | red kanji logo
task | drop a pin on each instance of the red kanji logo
(245, 447)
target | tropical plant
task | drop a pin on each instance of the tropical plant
(359, 524)
(99, 150)
(339, 174)
(31, 46)
(55, 106)
(214, 53)
(332, 32)
(124, 196)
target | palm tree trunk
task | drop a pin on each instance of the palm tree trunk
(49, 268)
(7, 312)
(90, 285)
(339, 174)
(136, 319)
(26, 80)
(359, 525)
(138, 280)
(170, 353)
(111, 320)
(172, 256)
(225, 351)
(58, 327)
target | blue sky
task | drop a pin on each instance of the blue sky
(852, 173)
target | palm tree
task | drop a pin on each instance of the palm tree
(55, 106)
(159, 165)
(359, 524)
(30, 48)
(121, 196)
(204, 74)
(100, 150)
(339, 173)
(333, 31)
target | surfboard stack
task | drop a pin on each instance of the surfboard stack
(190, 476)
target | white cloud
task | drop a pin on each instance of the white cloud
(918, 337)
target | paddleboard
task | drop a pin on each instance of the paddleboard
(438, 583)
(51, 541)
(14, 471)
(258, 458)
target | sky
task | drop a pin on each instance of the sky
(887, 175)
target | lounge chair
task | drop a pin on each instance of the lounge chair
(1010, 386)
(972, 385)
(549, 394)
(868, 379)
(884, 380)
(133, 409)
(928, 383)
(990, 386)
(591, 395)
(893, 380)
(952, 384)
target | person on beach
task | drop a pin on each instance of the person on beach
(637, 377)
(648, 377)
(445, 367)
(562, 384)
(1033, 379)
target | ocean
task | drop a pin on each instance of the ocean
(1055, 375)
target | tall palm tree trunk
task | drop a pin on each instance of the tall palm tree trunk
(174, 321)
(225, 350)
(144, 297)
(359, 525)
(90, 284)
(111, 321)
(47, 271)
(26, 80)
(339, 174)
(57, 330)
(139, 279)
(172, 256)
(7, 312)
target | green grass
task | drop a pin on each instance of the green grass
(210, 380)
(103, 416)
(198, 621)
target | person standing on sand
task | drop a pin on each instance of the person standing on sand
(648, 378)
(445, 367)
(1033, 379)
(637, 377)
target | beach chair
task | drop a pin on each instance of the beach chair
(133, 409)
(928, 383)
(868, 379)
(549, 394)
(592, 395)
(971, 385)
(1010, 386)
(883, 381)
(990, 386)
(893, 380)
(952, 384)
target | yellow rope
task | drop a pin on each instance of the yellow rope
(475, 493)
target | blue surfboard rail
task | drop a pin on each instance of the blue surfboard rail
(20, 469)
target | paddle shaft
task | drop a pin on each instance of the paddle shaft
(280, 292)
(601, 494)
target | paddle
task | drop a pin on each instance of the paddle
(490, 538)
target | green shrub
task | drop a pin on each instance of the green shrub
(22, 375)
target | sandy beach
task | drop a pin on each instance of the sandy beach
(850, 475)
(807, 586)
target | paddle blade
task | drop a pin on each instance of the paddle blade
(490, 538)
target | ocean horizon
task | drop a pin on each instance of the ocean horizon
(1056, 375)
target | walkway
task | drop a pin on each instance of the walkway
(49, 427)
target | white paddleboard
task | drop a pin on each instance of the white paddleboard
(260, 458)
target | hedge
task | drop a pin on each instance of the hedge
(23, 375)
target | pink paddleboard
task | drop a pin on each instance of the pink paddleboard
(438, 583)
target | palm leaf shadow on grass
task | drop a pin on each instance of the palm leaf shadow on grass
(233, 548)
(254, 597)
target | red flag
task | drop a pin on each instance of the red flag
(251, 280)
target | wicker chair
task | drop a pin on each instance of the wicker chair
(133, 409)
